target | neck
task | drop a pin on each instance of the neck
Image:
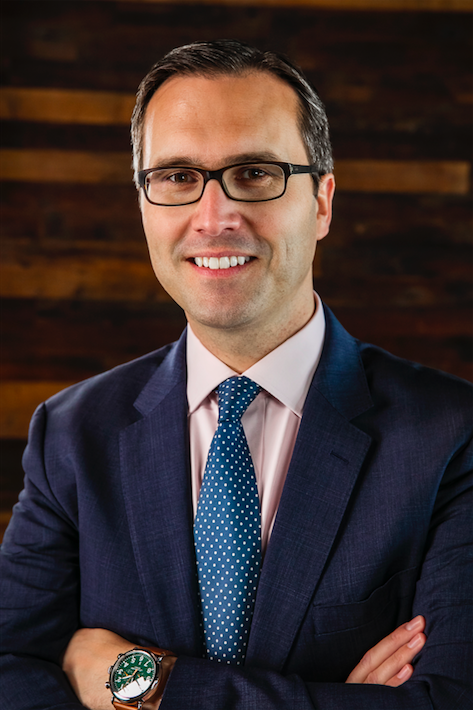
(243, 347)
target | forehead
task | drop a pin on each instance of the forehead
(210, 120)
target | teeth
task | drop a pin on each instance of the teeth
(225, 262)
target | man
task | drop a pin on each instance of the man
(361, 461)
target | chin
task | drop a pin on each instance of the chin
(224, 319)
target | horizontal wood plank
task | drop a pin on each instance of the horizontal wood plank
(19, 400)
(403, 176)
(11, 472)
(347, 274)
(73, 218)
(372, 134)
(378, 5)
(389, 176)
(87, 277)
(419, 341)
(64, 166)
(66, 106)
(65, 216)
(109, 108)
(5, 516)
(71, 340)
(376, 323)
(44, 339)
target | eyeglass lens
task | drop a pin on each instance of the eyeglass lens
(251, 183)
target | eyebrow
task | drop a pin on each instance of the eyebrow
(187, 161)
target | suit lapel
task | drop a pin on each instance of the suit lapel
(327, 458)
(157, 493)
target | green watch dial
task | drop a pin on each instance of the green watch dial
(133, 675)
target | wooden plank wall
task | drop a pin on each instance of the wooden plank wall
(78, 294)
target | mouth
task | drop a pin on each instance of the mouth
(223, 262)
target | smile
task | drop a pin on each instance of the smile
(224, 262)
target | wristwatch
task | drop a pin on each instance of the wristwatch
(137, 678)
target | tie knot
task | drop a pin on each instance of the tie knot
(235, 396)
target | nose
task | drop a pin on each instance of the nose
(215, 213)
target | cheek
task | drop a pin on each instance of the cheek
(292, 233)
(161, 233)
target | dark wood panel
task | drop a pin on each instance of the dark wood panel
(66, 106)
(369, 140)
(20, 398)
(395, 267)
(11, 472)
(35, 165)
(49, 217)
(429, 176)
(436, 338)
(378, 262)
(395, 291)
(71, 340)
(74, 166)
(400, 220)
(372, 139)
(105, 219)
(77, 276)
(385, 6)
(72, 136)
(11, 478)
(61, 44)
(375, 324)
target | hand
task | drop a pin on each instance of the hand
(389, 662)
(87, 658)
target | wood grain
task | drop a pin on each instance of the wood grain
(378, 5)
(88, 277)
(399, 176)
(403, 176)
(66, 106)
(19, 400)
(73, 166)
(5, 516)
(44, 339)
(79, 295)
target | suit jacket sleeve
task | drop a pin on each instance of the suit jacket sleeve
(39, 590)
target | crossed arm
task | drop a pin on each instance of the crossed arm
(91, 651)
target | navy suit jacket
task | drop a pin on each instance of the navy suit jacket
(372, 529)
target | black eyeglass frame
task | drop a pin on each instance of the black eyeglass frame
(287, 168)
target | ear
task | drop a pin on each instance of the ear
(324, 205)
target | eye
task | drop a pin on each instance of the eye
(182, 177)
(173, 176)
(252, 172)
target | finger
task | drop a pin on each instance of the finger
(393, 665)
(401, 677)
(385, 649)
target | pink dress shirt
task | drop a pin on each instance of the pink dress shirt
(272, 420)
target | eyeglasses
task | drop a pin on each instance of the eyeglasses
(244, 182)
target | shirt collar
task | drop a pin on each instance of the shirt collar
(286, 372)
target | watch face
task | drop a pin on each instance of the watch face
(133, 675)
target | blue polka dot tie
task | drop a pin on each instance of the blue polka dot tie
(227, 529)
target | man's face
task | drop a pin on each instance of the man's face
(212, 123)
